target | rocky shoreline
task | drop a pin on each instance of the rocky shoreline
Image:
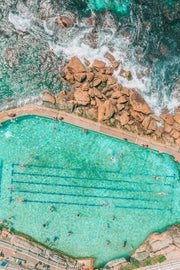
(95, 94)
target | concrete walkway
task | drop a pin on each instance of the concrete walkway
(92, 125)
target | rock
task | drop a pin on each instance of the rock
(122, 99)
(176, 126)
(97, 81)
(80, 77)
(174, 232)
(111, 80)
(67, 20)
(91, 92)
(136, 115)
(138, 103)
(125, 91)
(105, 111)
(90, 21)
(70, 95)
(109, 70)
(159, 241)
(177, 118)
(116, 264)
(48, 98)
(152, 125)
(146, 122)
(167, 138)
(157, 118)
(61, 96)
(102, 71)
(120, 107)
(175, 134)
(97, 93)
(117, 87)
(82, 97)
(86, 62)
(124, 118)
(98, 64)
(167, 128)
(159, 131)
(66, 105)
(76, 66)
(101, 76)
(111, 58)
(128, 75)
(99, 102)
(90, 76)
(91, 39)
(178, 142)
(116, 94)
(92, 113)
(168, 119)
(93, 102)
(69, 78)
(141, 256)
(85, 86)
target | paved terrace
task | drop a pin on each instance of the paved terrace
(89, 124)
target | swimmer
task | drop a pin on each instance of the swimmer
(111, 158)
(114, 218)
(55, 127)
(45, 241)
(7, 224)
(107, 242)
(20, 200)
(51, 208)
(55, 238)
(69, 233)
(10, 217)
(106, 204)
(44, 225)
(155, 177)
(2, 221)
(78, 215)
(51, 244)
(161, 193)
(120, 155)
(125, 244)
(11, 188)
(23, 165)
(132, 247)
(85, 130)
(107, 227)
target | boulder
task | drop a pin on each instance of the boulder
(138, 103)
(177, 118)
(69, 77)
(82, 97)
(120, 107)
(109, 70)
(101, 76)
(61, 96)
(128, 75)
(102, 71)
(159, 131)
(75, 65)
(159, 241)
(97, 81)
(90, 76)
(125, 91)
(93, 102)
(124, 118)
(167, 138)
(167, 128)
(175, 134)
(113, 61)
(117, 87)
(91, 39)
(86, 62)
(91, 92)
(111, 80)
(105, 111)
(85, 86)
(92, 113)
(116, 94)
(176, 126)
(48, 98)
(168, 118)
(178, 142)
(122, 99)
(66, 105)
(97, 93)
(67, 20)
(146, 122)
(99, 102)
(80, 77)
(136, 115)
(98, 64)
(152, 125)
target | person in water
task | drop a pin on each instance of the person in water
(125, 244)
(155, 177)
(51, 208)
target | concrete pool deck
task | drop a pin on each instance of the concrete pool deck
(91, 125)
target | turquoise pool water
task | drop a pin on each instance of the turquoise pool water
(73, 172)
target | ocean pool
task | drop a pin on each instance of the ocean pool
(74, 173)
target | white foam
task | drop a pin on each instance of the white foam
(8, 134)
(22, 21)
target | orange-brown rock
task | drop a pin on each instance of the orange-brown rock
(120, 107)
(82, 97)
(167, 128)
(137, 115)
(97, 93)
(138, 103)
(128, 75)
(117, 87)
(125, 91)
(109, 70)
(99, 102)
(175, 134)
(157, 118)
(80, 77)
(146, 122)
(116, 94)
(168, 118)
(90, 76)
(116, 64)
(93, 102)
(105, 111)
(159, 131)
(70, 78)
(92, 113)
(66, 105)
(176, 126)
(102, 70)
(101, 76)
(75, 65)
(86, 62)
(90, 69)
(47, 97)
(177, 118)
(85, 86)
(178, 142)
(62, 95)
(152, 125)
(66, 21)
(70, 95)
(111, 58)
(97, 81)
(124, 118)
(111, 80)
(98, 64)
(91, 92)
(122, 99)
(168, 139)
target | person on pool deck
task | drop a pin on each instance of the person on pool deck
(155, 177)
